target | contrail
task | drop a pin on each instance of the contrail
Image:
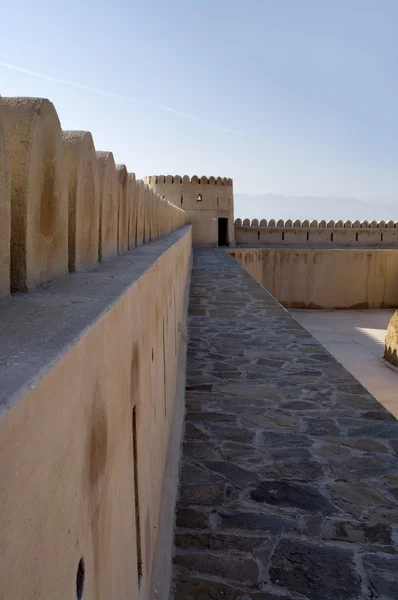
(119, 97)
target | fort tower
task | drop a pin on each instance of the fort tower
(209, 202)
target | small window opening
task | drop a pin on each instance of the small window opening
(308, 235)
(381, 237)
(331, 237)
(182, 197)
(258, 235)
(356, 236)
(218, 202)
(80, 575)
(283, 235)
(199, 198)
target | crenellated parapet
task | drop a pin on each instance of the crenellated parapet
(303, 232)
(177, 179)
(63, 205)
(306, 223)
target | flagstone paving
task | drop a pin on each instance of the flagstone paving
(289, 474)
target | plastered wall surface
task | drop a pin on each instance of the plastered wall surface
(325, 278)
(316, 233)
(67, 461)
(205, 199)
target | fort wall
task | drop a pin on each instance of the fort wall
(325, 278)
(205, 199)
(90, 363)
(315, 233)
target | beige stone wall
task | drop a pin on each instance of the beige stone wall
(391, 347)
(217, 201)
(102, 393)
(316, 233)
(324, 278)
(64, 207)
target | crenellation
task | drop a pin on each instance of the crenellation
(64, 206)
(39, 192)
(321, 233)
(123, 209)
(109, 205)
(84, 199)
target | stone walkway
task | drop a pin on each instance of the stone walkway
(289, 476)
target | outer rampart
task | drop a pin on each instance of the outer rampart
(335, 234)
(205, 199)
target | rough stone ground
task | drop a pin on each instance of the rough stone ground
(289, 475)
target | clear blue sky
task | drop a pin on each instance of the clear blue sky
(308, 88)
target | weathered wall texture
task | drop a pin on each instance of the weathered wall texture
(338, 278)
(5, 212)
(391, 349)
(204, 199)
(69, 206)
(86, 423)
(316, 233)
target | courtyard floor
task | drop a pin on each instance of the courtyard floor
(356, 340)
(289, 474)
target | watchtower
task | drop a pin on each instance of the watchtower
(209, 203)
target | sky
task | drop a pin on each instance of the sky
(290, 97)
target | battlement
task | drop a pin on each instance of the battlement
(289, 223)
(63, 205)
(279, 232)
(173, 179)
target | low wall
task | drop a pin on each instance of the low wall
(391, 348)
(334, 234)
(313, 278)
(88, 376)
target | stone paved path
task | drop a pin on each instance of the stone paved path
(289, 476)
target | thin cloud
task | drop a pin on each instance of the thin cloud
(119, 97)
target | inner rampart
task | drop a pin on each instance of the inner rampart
(329, 278)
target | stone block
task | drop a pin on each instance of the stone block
(84, 199)
(5, 212)
(109, 202)
(39, 192)
(123, 209)
(318, 572)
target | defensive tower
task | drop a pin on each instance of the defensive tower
(209, 202)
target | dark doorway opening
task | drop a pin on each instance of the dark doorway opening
(223, 231)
